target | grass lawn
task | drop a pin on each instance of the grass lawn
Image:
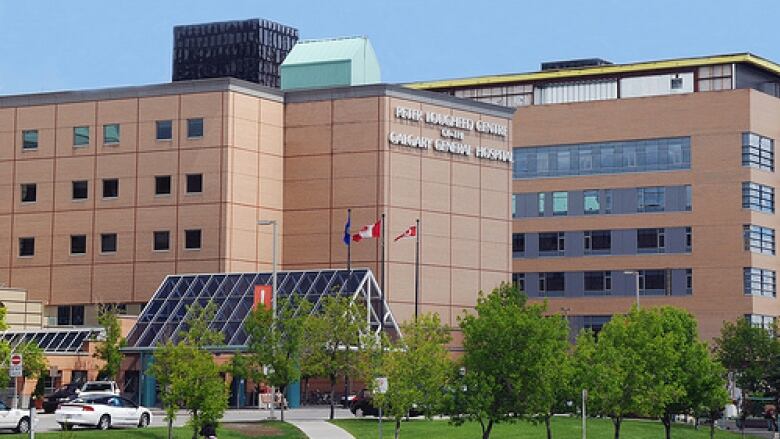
(563, 428)
(273, 429)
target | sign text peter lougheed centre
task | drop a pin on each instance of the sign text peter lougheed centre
(453, 131)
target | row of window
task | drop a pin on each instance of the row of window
(651, 282)
(648, 240)
(758, 152)
(109, 244)
(111, 133)
(758, 197)
(760, 282)
(80, 188)
(759, 239)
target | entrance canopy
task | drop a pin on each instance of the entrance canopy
(162, 319)
(55, 340)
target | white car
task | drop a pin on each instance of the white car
(93, 387)
(102, 411)
(14, 419)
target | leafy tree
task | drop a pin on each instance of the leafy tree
(707, 391)
(274, 347)
(332, 336)
(109, 348)
(187, 374)
(417, 367)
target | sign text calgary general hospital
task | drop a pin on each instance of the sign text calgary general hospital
(453, 130)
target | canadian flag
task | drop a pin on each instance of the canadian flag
(369, 231)
(411, 232)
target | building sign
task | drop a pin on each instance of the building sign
(453, 132)
(263, 295)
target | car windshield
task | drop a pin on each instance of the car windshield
(92, 400)
(97, 387)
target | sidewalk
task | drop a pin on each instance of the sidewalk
(321, 429)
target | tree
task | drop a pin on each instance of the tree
(417, 367)
(333, 337)
(708, 392)
(109, 349)
(187, 374)
(274, 346)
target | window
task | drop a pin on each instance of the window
(595, 323)
(29, 139)
(759, 321)
(518, 244)
(78, 244)
(194, 128)
(650, 199)
(598, 241)
(676, 83)
(551, 283)
(111, 134)
(598, 282)
(758, 197)
(552, 243)
(80, 190)
(653, 282)
(688, 198)
(760, 282)
(688, 238)
(688, 281)
(162, 185)
(591, 202)
(560, 203)
(108, 242)
(759, 239)
(608, 201)
(540, 198)
(650, 240)
(758, 152)
(80, 136)
(194, 183)
(28, 192)
(110, 188)
(164, 129)
(192, 239)
(162, 240)
(26, 247)
(514, 205)
(70, 315)
(518, 279)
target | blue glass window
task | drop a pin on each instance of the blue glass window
(758, 197)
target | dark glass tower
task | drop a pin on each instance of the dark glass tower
(251, 50)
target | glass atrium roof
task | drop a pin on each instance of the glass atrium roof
(54, 340)
(233, 293)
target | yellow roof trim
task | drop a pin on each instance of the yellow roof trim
(599, 70)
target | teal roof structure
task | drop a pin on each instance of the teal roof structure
(330, 63)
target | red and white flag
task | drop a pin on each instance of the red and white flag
(411, 232)
(369, 231)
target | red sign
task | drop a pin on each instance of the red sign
(263, 295)
(16, 359)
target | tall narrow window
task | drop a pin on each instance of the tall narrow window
(688, 280)
(688, 238)
(80, 136)
(29, 139)
(518, 279)
(540, 203)
(560, 203)
(194, 128)
(164, 129)
(26, 247)
(192, 239)
(28, 192)
(591, 202)
(111, 134)
(518, 244)
(514, 205)
(608, 201)
(688, 198)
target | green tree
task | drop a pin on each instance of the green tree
(109, 349)
(274, 347)
(333, 336)
(187, 374)
(707, 391)
(417, 368)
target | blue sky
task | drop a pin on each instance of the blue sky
(75, 44)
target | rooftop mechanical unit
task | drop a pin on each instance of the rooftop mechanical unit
(574, 63)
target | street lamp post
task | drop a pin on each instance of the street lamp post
(636, 278)
(273, 292)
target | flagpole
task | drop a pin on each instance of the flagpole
(349, 245)
(417, 269)
(382, 278)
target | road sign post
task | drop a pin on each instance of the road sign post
(15, 371)
(381, 387)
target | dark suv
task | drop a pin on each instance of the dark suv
(63, 394)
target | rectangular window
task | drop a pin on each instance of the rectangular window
(80, 190)
(552, 243)
(759, 239)
(599, 282)
(591, 202)
(514, 205)
(760, 321)
(653, 282)
(28, 192)
(688, 238)
(194, 128)
(110, 187)
(162, 185)
(650, 240)
(80, 136)
(164, 129)
(760, 282)
(194, 183)
(29, 139)
(192, 239)
(560, 203)
(162, 240)
(518, 244)
(688, 198)
(608, 201)
(758, 152)
(689, 281)
(70, 315)
(551, 284)
(26, 247)
(108, 242)
(650, 199)
(540, 203)
(518, 279)
(598, 241)
(111, 134)
(78, 244)
(758, 197)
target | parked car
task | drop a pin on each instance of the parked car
(99, 387)
(63, 394)
(362, 405)
(14, 419)
(102, 411)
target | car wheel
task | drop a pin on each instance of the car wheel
(23, 426)
(359, 412)
(104, 423)
(144, 422)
